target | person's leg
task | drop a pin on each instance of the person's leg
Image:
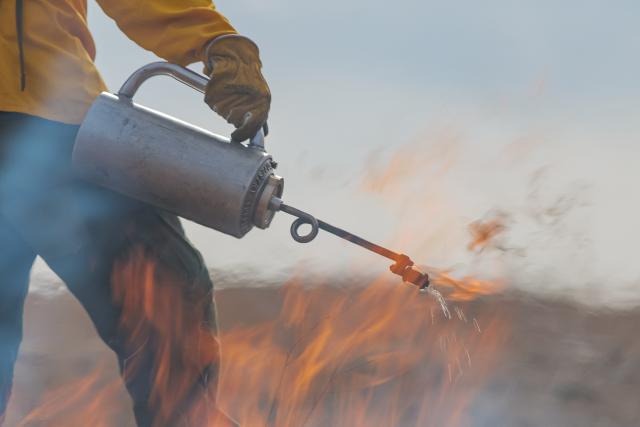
(143, 285)
(16, 259)
(161, 322)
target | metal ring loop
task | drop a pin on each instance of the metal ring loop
(307, 237)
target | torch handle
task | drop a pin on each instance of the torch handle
(183, 75)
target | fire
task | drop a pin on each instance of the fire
(156, 309)
(334, 354)
(466, 288)
(381, 355)
(94, 394)
(375, 355)
(484, 232)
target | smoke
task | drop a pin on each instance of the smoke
(563, 205)
(555, 230)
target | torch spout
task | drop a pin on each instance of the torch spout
(403, 265)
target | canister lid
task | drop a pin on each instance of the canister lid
(263, 215)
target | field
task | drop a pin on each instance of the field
(539, 363)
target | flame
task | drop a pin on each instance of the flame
(93, 394)
(388, 178)
(155, 308)
(378, 355)
(466, 288)
(168, 315)
(484, 232)
(383, 355)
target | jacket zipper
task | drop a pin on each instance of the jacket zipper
(20, 34)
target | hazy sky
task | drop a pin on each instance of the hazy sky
(528, 107)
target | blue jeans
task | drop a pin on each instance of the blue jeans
(82, 232)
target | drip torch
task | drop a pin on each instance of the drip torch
(189, 171)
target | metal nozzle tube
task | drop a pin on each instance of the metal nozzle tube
(403, 265)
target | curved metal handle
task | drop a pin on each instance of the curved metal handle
(183, 75)
(142, 74)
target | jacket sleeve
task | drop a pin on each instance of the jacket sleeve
(175, 30)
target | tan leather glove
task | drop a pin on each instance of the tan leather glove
(237, 90)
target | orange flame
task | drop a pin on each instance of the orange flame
(381, 355)
(155, 308)
(484, 232)
(94, 395)
(466, 288)
(376, 356)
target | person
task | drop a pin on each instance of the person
(106, 247)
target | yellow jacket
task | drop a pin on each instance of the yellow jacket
(61, 78)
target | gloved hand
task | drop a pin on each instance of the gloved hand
(237, 90)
